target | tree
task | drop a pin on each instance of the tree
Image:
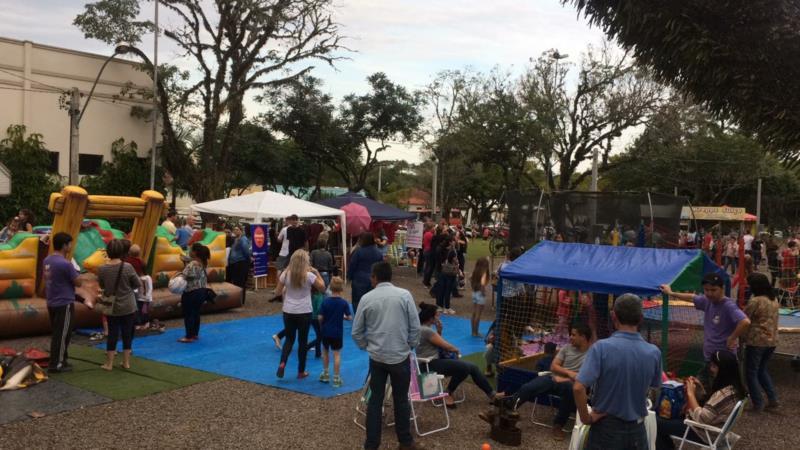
(126, 174)
(612, 95)
(709, 162)
(236, 47)
(349, 139)
(28, 160)
(736, 58)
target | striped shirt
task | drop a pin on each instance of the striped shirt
(717, 408)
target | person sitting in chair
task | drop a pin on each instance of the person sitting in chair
(564, 369)
(431, 344)
(726, 390)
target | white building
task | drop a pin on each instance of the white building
(32, 80)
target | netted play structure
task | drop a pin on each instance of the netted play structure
(641, 218)
(555, 285)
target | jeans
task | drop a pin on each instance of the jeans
(400, 376)
(190, 304)
(546, 385)
(444, 290)
(296, 324)
(422, 261)
(430, 264)
(757, 376)
(317, 342)
(730, 261)
(359, 289)
(671, 427)
(458, 371)
(120, 325)
(613, 433)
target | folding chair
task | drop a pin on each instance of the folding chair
(552, 400)
(363, 400)
(415, 396)
(725, 439)
(459, 396)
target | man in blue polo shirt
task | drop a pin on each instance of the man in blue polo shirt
(620, 370)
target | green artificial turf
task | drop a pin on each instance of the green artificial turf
(144, 378)
(478, 359)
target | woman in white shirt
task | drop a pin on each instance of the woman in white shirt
(295, 284)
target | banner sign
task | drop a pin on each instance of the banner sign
(715, 213)
(414, 234)
(260, 234)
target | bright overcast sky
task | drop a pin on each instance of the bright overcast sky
(409, 40)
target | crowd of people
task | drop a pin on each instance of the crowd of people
(615, 373)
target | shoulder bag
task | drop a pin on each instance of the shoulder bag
(106, 303)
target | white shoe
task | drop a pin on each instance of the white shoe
(451, 311)
(277, 341)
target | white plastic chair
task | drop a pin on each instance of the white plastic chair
(363, 400)
(535, 403)
(725, 439)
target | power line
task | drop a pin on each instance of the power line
(23, 77)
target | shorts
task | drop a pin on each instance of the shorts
(282, 262)
(478, 298)
(334, 344)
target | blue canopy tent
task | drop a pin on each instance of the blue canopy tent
(613, 270)
(377, 210)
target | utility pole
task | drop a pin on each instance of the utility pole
(74, 121)
(155, 105)
(758, 207)
(435, 185)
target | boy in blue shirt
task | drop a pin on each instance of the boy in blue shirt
(332, 314)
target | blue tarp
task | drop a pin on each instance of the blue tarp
(606, 269)
(377, 210)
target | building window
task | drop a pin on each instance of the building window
(89, 164)
(53, 168)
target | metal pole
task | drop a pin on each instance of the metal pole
(435, 185)
(155, 105)
(594, 170)
(380, 174)
(74, 123)
(758, 207)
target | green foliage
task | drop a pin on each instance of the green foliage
(709, 162)
(113, 22)
(126, 174)
(28, 160)
(737, 58)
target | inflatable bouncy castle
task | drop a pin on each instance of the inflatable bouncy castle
(23, 309)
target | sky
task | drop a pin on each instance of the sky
(409, 40)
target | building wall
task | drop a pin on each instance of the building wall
(32, 79)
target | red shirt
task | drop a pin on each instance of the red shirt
(426, 241)
(137, 264)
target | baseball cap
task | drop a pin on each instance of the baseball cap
(713, 279)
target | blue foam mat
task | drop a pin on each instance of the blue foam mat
(244, 349)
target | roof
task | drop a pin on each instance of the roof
(610, 270)
(377, 210)
(266, 205)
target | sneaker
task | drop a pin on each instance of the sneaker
(451, 311)
(60, 369)
(301, 375)
(558, 433)
(411, 446)
(772, 404)
(281, 369)
(324, 377)
(277, 341)
(337, 381)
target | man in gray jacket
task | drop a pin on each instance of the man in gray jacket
(387, 327)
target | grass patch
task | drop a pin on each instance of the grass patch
(478, 359)
(144, 378)
(478, 248)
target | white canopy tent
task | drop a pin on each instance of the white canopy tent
(272, 205)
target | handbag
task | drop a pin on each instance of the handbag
(105, 305)
(449, 268)
(429, 385)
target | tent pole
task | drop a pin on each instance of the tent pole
(664, 330)
(342, 219)
(536, 222)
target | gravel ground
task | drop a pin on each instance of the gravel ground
(231, 413)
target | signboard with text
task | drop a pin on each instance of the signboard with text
(414, 234)
(260, 234)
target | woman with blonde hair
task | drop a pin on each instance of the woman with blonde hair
(295, 284)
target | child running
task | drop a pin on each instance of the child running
(480, 283)
(332, 313)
